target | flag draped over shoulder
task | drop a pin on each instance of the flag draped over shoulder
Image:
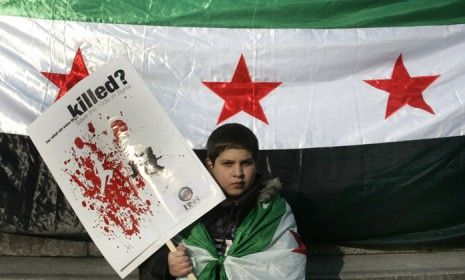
(266, 235)
(358, 105)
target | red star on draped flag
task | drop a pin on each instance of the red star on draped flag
(241, 94)
(404, 89)
(66, 81)
(301, 249)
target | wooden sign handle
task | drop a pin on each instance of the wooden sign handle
(172, 248)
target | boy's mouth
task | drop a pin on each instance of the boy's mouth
(238, 184)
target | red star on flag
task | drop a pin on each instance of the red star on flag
(241, 94)
(301, 249)
(66, 81)
(404, 89)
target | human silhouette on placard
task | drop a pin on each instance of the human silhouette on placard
(101, 172)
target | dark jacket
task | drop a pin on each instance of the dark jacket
(221, 223)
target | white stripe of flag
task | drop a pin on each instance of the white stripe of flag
(322, 99)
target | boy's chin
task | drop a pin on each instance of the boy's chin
(233, 193)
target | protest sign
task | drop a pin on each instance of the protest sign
(127, 172)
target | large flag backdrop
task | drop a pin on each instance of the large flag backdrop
(358, 105)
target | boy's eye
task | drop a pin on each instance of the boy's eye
(227, 163)
(248, 163)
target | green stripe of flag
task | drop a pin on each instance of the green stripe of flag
(247, 14)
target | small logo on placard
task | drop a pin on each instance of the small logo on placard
(185, 194)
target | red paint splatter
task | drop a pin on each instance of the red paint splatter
(119, 127)
(103, 178)
(91, 127)
(79, 143)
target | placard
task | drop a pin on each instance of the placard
(127, 172)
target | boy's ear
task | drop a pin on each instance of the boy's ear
(209, 164)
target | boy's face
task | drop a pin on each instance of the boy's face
(234, 170)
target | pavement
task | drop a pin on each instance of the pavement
(408, 265)
(57, 268)
(426, 265)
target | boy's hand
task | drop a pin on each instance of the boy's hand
(179, 263)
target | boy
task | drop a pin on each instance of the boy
(250, 235)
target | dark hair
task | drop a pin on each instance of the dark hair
(231, 136)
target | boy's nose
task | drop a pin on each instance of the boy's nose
(238, 171)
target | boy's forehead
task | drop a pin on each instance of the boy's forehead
(232, 153)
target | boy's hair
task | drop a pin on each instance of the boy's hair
(231, 136)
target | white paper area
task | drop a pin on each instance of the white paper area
(125, 169)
